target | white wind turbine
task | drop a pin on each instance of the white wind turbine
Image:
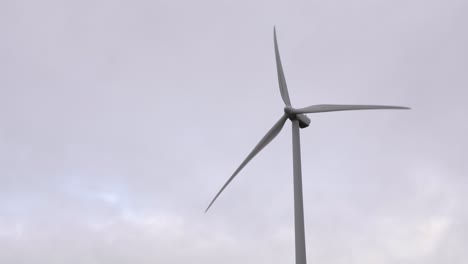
(299, 120)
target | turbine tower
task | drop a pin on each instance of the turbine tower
(299, 120)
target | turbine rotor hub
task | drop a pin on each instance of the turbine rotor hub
(304, 121)
(289, 110)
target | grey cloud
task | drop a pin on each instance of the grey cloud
(119, 120)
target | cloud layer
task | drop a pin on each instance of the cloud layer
(121, 119)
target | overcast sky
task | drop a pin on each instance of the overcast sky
(120, 120)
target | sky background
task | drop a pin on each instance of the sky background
(120, 120)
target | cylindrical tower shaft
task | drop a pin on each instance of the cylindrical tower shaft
(298, 201)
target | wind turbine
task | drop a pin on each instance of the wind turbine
(299, 120)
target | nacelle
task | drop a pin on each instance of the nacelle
(304, 121)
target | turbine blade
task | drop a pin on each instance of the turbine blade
(274, 131)
(281, 80)
(332, 108)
